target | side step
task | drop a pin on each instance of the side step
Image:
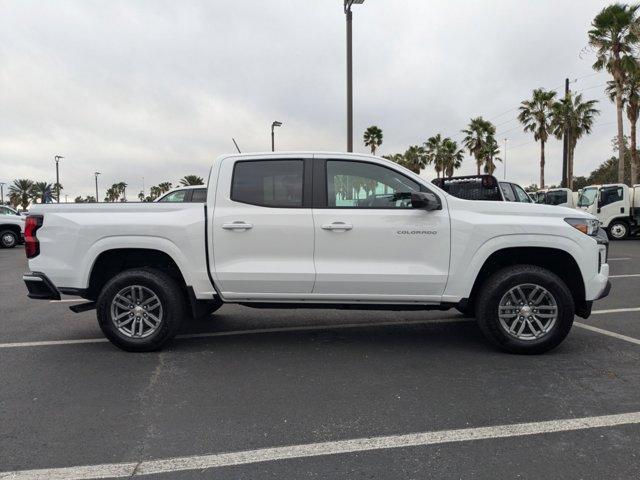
(83, 307)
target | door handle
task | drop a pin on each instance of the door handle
(237, 226)
(337, 226)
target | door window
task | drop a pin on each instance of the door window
(521, 195)
(610, 195)
(199, 195)
(509, 196)
(268, 183)
(175, 197)
(556, 197)
(366, 185)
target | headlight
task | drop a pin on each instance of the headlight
(585, 225)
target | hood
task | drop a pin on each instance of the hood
(517, 208)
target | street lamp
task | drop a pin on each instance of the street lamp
(57, 159)
(347, 12)
(96, 175)
(505, 158)
(273, 144)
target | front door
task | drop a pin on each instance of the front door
(371, 245)
(262, 228)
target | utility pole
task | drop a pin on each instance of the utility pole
(347, 12)
(57, 159)
(565, 145)
(96, 175)
(2, 193)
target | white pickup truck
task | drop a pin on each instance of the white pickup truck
(328, 230)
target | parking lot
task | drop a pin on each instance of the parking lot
(252, 394)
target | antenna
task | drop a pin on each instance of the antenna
(237, 147)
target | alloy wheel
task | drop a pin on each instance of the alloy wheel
(136, 311)
(527, 312)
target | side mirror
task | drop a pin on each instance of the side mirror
(425, 201)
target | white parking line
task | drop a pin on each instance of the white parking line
(304, 328)
(625, 276)
(607, 333)
(621, 258)
(65, 300)
(616, 310)
(216, 460)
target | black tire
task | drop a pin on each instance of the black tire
(172, 304)
(497, 286)
(618, 230)
(8, 239)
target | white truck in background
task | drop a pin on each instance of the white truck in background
(561, 197)
(615, 205)
(316, 229)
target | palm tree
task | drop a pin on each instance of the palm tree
(155, 192)
(164, 187)
(41, 191)
(451, 155)
(415, 158)
(112, 194)
(191, 180)
(535, 116)
(490, 153)
(20, 192)
(613, 35)
(476, 136)
(373, 138)
(121, 188)
(631, 100)
(433, 153)
(575, 117)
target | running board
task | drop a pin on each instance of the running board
(83, 307)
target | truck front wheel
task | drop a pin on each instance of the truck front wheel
(618, 230)
(525, 309)
(139, 310)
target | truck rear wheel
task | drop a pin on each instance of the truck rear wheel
(139, 310)
(618, 230)
(525, 309)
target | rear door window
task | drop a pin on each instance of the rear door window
(268, 183)
(178, 196)
(199, 195)
(507, 191)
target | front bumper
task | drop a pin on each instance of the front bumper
(40, 287)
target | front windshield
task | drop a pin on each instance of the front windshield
(587, 197)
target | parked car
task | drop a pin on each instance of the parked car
(616, 206)
(11, 227)
(297, 230)
(512, 192)
(193, 193)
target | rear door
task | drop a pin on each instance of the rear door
(262, 228)
(370, 243)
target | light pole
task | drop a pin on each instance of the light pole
(505, 158)
(96, 175)
(347, 12)
(273, 143)
(2, 193)
(57, 159)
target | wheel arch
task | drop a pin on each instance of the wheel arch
(556, 260)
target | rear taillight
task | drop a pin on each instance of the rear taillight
(31, 243)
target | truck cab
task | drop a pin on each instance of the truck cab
(562, 197)
(615, 205)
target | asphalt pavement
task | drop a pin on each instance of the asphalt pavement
(255, 394)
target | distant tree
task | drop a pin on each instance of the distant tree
(535, 116)
(489, 155)
(40, 191)
(580, 182)
(575, 117)
(614, 36)
(372, 138)
(86, 199)
(141, 196)
(165, 187)
(415, 158)
(191, 180)
(532, 188)
(155, 192)
(475, 138)
(20, 192)
(451, 155)
(433, 153)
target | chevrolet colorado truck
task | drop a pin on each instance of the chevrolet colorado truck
(323, 230)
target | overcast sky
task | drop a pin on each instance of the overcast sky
(156, 89)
